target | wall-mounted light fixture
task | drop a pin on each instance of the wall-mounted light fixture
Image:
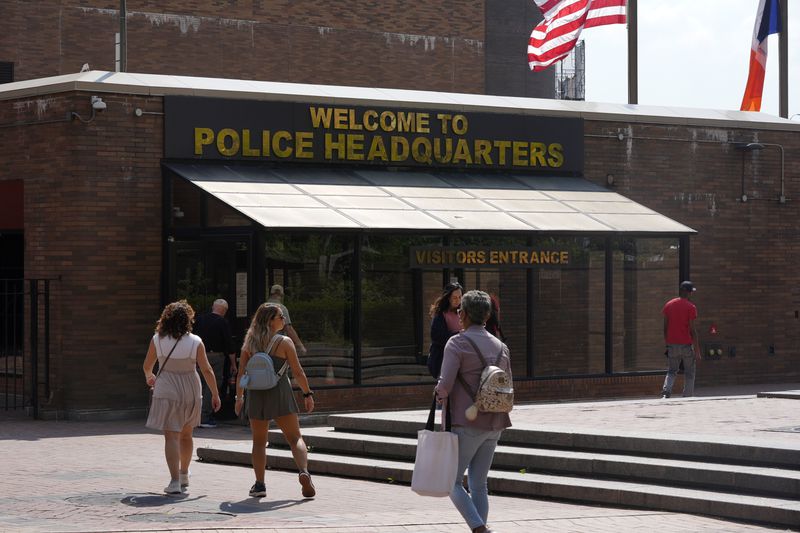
(610, 179)
(755, 147)
(97, 105)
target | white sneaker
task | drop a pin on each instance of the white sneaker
(184, 479)
(174, 487)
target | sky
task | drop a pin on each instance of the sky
(692, 53)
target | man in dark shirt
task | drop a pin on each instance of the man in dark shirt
(216, 334)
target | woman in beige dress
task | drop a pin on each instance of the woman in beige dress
(177, 397)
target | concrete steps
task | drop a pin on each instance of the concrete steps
(726, 479)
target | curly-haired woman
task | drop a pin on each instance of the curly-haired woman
(277, 403)
(177, 397)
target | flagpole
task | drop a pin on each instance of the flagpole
(783, 59)
(633, 56)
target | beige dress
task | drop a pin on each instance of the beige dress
(177, 396)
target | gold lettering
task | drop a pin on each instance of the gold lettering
(462, 151)
(405, 121)
(371, 120)
(523, 257)
(388, 121)
(282, 150)
(377, 149)
(399, 147)
(494, 257)
(423, 124)
(424, 155)
(247, 150)
(481, 256)
(537, 153)
(503, 257)
(564, 258)
(437, 150)
(320, 116)
(202, 137)
(534, 257)
(520, 155)
(339, 145)
(354, 125)
(459, 124)
(545, 257)
(224, 134)
(340, 119)
(483, 152)
(461, 257)
(355, 147)
(304, 145)
(514, 254)
(502, 146)
(265, 143)
(445, 120)
(556, 152)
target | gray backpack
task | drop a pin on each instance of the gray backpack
(260, 372)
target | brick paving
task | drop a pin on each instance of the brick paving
(65, 476)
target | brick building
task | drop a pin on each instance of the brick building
(162, 195)
(119, 210)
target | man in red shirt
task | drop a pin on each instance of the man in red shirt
(681, 338)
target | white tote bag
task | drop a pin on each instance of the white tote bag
(437, 457)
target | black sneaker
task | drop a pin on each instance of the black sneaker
(665, 395)
(258, 490)
(208, 424)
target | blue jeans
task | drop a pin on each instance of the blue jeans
(475, 450)
(676, 353)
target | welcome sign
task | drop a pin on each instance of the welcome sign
(219, 129)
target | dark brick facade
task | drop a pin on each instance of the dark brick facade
(442, 45)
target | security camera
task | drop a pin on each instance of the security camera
(98, 104)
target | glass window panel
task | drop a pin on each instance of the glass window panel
(646, 272)
(569, 310)
(315, 271)
(186, 204)
(509, 287)
(221, 214)
(394, 348)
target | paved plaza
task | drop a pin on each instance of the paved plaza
(66, 476)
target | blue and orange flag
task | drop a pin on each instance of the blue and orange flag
(768, 21)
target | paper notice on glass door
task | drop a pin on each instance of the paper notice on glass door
(241, 294)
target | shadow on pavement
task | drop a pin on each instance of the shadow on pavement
(157, 500)
(254, 505)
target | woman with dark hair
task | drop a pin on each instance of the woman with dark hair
(493, 323)
(177, 396)
(444, 324)
(277, 403)
(477, 435)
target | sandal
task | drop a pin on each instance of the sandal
(308, 486)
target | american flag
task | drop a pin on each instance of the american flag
(563, 22)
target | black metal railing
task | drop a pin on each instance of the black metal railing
(24, 369)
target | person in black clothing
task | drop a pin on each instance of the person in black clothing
(444, 324)
(216, 334)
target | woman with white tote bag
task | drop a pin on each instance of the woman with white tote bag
(477, 438)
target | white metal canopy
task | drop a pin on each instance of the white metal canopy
(383, 199)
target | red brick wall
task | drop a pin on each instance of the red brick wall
(743, 260)
(435, 45)
(92, 219)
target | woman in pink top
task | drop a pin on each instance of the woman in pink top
(477, 438)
